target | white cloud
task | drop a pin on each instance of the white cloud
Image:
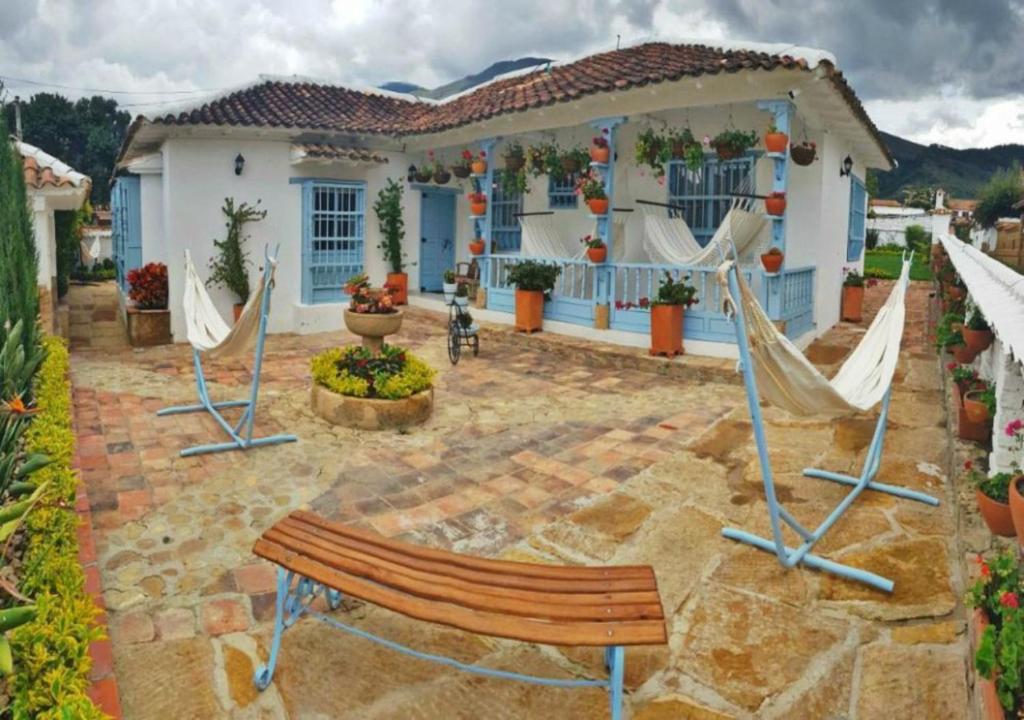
(952, 119)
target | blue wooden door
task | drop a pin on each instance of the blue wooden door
(437, 239)
(126, 226)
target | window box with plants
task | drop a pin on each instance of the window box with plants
(372, 313)
(771, 261)
(388, 208)
(977, 333)
(992, 493)
(597, 251)
(228, 268)
(534, 282)
(591, 186)
(731, 143)
(149, 320)
(369, 389)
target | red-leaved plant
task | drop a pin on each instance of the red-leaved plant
(148, 286)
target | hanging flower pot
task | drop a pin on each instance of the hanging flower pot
(441, 176)
(479, 164)
(775, 203)
(956, 293)
(570, 164)
(477, 246)
(772, 260)
(598, 206)
(775, 142)
(461, 171)
(803, 154)
(424, 174)
(515, 160)
(975, 407)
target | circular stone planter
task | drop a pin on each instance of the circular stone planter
(371, 413)
(373, 327)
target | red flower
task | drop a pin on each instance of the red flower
(619, 305)
(969, 465)
(985, 572)
(951, 366)
(644, 302)
(467, 155)
(1009, 600)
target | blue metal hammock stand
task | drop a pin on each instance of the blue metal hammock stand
(241, 432)
(787, 556)
(294, 602)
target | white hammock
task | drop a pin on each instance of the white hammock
(207, 331)
(669, 241)
(541, 238)
(89, 253)
(789, 381)
(621, 251)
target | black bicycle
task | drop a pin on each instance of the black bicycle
(462, 331)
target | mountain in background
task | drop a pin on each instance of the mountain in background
(457, 86)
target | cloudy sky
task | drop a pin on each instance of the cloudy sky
(947, 71)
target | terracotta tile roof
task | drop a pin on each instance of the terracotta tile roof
(324, 151)
(312, 106)
(879, 202)
(962, 205)
(43, 170)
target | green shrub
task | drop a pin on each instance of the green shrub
(918, 239)
(392, 374)
(998, 196)
(388, 208)
(534, 276)
(19, 266)
(51, 652)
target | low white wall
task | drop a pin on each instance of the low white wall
(893, 230)
(998, 366)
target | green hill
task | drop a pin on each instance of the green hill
(960, 172)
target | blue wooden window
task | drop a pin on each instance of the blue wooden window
(126, 227)
(333, 230)
(706, 196)
(561, 191)
(505, 228)
(858, 219)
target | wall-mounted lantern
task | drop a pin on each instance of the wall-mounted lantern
(844, 171)
(412, 173)
(239, 164)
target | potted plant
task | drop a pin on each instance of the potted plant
(977, 333)
(803, 153)
(965, 378)
(388, 208)
(534, 282)
(574, 160)
(997, 631)
(515, 157)
(477, 203)
(425, 173)
(449, 287)
(544, 159)
(961, 353)
(477, 246)
(479, 163)
(462, 295)
(772, 260)
(732, 143)
(852, 309)
(371, 313)
(684, 146)
(992, 495)
(1015, 431)
(775, 203)
(668, 311)
(591, 187)
(149, 320)
(600, 152)
(597, 251)
(228, 265)
(980, 403)
(441, 174)
(653, 150)
(775, 141)
(462, 167)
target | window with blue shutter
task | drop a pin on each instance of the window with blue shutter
(126, 226)
(505, 209)
(333, 230)
(858, 220)
(561, 192)
(706, 196)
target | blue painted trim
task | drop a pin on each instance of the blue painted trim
(325, 181)
(427, 187)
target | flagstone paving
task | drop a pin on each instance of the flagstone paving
(534, 456)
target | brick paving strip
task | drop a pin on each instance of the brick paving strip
(543, 449)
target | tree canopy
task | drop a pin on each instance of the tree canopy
(998, 196)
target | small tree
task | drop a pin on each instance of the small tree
(19, 262)
(998, 196)
(228, 267)
(918, 239)
(392, 225)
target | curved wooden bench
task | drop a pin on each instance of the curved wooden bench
(609, 607)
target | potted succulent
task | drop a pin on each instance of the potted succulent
(1015, 431)
(803, 153)
(228, 266)
(992, 495)
(479, 163)
(462, 167)
(597, 251)
(477, 246)
(534, 282)
(668, 310)
(149, 320)
(388, 208)
(775, 203)
(653, 150)
(977, 333)
(591, 187)
(449, 287)
(980, 403)
(371, 313)
(477, 203)
(772, 260)
(775, 141)
(600, 152)
(732, 143)
(852, 305)
(515, 157)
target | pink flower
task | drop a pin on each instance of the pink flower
(1013, 427)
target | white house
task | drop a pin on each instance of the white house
(316, 155)
(890, 218)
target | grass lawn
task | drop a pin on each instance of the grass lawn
(890, 263)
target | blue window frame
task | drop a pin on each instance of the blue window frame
(126, 227)
(858, 220)
(507, 234)
(705, 197)
(333, 232)
(561, 192)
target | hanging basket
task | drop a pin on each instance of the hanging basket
(424, 176)
(570, 164)
(515, 162)
(441, 177)
(725, 152)
(460, 171)
(803, 154)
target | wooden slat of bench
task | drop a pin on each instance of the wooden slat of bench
(447, 566)
(470, 562)
(475, 597)
(550, 632)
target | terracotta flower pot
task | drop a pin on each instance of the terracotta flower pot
(478, 209)
(1017, 508)
(977, 411)
(963, 354)
(977, 340)
(853, 303)
(529, 310)
(399, 283)
(598, 206)
(598, 254)
(967, 430)
(772, 262)
(599, 154)
(667, 330)
(776, 142)
(985, 688)
(236, 310)
(479, 167)
(995, 514)
(956, 293)
(148, 327)
(477, 247)
(775, 205)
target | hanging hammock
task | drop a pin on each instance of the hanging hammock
(542, 239)
(207, 331)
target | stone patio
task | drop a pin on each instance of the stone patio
(534, 452)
